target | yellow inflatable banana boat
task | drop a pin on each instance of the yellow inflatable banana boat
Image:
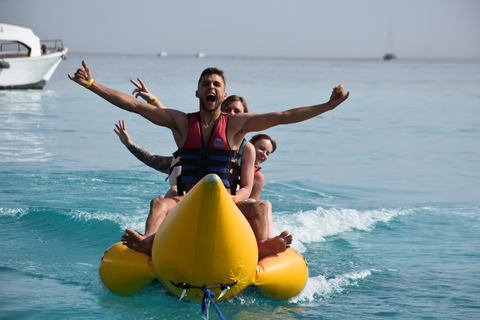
(204, 243)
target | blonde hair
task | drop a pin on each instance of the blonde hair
(232, 98)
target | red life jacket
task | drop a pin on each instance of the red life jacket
(198, 160)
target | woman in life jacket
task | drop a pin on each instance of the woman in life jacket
(264, 146)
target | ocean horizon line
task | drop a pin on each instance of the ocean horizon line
(218, 56)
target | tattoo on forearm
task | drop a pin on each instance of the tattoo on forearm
(159, 163)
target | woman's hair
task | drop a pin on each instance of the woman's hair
(261, 136)
(232, 98)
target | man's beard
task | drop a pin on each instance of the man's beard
(204, 108)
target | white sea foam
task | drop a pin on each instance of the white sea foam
(321, 288)
(136, 221)
(315, 225)
(12, 212)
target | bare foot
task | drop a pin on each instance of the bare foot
(135, 241)
(275, 245)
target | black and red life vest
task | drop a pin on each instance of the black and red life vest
(198, 160)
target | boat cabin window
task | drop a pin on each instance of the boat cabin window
(10, 49)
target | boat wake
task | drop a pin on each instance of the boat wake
(316, 225)
(320, 288)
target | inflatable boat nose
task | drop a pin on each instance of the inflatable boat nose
(212, 178)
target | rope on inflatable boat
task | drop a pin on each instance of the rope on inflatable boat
(207, 294)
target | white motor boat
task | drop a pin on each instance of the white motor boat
(25, 61)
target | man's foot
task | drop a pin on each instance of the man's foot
(275, 245)
(135, 241)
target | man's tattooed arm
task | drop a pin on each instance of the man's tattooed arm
(159, 163)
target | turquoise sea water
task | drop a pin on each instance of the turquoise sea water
(381, 194)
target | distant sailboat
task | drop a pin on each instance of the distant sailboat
(390, 55)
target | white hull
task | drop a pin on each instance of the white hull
(30, 72)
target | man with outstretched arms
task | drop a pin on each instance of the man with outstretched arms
(210, 93)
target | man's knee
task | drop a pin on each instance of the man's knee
(154, 203)
(261, 208)
(266, 205)
(157, 205)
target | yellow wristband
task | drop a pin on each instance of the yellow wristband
(154, 101)
(89, 84)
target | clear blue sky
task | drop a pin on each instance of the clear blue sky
(263, 28)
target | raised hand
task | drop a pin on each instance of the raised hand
(122, 133)
(338, 96)
(142, 91)
(82, 76)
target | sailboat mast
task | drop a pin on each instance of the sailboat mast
(390, 39)
(390, 55)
